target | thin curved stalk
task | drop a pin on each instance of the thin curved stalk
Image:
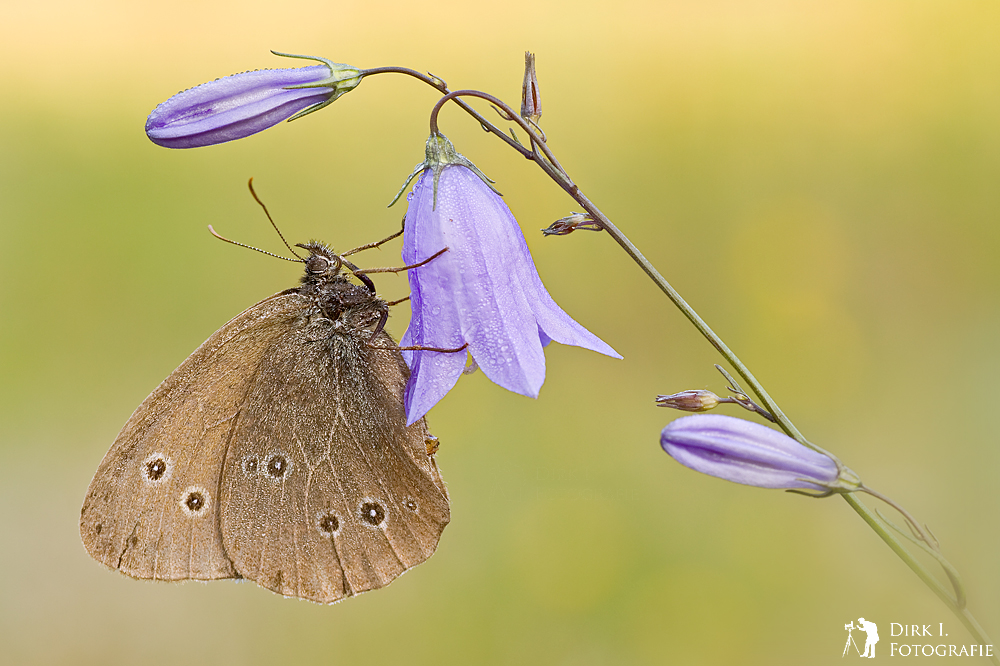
(439, 84)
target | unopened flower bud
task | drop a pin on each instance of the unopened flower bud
(237, 106)
(531, 102)
(569, 224)
(690, 401)
(752, 454)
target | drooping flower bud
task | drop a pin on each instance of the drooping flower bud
(698, 400)
(752, 454)
(237, 106)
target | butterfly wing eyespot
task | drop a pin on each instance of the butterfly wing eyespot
(250, 465)
(371, 512)
(328, 523)
(156, 468)
(278, 467)
(195, 502)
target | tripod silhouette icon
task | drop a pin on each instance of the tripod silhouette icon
(850, 639)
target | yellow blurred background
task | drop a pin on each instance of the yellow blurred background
(820, 180)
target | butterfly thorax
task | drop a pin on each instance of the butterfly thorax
(350, 307)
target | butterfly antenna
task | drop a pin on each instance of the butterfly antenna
(250, 247)
(280, 235)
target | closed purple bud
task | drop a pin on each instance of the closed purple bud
(752, 454)
(243, 104)
(483, 291)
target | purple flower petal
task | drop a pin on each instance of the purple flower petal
(484, 291)
(236, 106)
(746, 452)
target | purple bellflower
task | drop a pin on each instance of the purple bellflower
(243, 104)
(484, 291)
(752, 454)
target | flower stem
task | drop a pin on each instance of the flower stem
(542, 155)
(961, 612)
(955, 604)
(879, 526)
(440, 85)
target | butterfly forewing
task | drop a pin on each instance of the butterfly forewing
(152, 509)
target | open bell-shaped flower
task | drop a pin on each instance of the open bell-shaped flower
(752, 454)
(243, 104)
(484, 291)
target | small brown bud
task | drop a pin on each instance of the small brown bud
(569, 224)
(690, 401)
(531, 102)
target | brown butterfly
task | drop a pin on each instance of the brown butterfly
(277, 452)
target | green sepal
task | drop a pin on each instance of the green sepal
(440, 153)
(343, 79)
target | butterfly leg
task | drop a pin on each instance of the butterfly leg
(360, 272)
(371, 245)
(399, 269)
(381, 324)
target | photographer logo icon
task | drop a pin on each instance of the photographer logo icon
(872, 637)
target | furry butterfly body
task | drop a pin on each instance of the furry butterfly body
(277, 452)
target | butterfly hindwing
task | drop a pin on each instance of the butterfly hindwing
(326, 498)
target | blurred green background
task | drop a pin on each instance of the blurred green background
(820, 180)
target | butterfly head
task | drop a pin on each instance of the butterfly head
(322, 262)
